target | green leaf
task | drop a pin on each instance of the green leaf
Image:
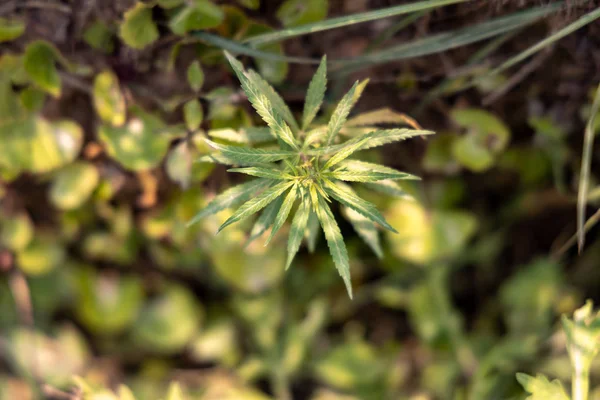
(312, 232)
(16, 232)
(365, 228)
(265, 220)
(10, 29)
(346, 151)
(99, 36)
(349, 20)
(275, 99)
(380, 116)
(169, 3)
(39, 63)
(300, 12)
(179, 164)
(138, 145)
(340, 114)
(259, 96)
(541, 388)
(335, 241)
(284, 212)
(360, 171)
(73, 185)
(32, 98)
(195, 76)
(299, 224)
(389, 188)
(248, 135)
(262, 172)
(244, 155)
(108, 99)
(377, 138)
(256, 204)
(192, 114)
(201, 14)
(138, 29)
(315, 94)
(125, 393)
(230, 198)
(345, 195)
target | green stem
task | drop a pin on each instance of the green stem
(280, 385)
(580, 382)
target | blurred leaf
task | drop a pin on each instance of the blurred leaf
(32, 99)
(108, 99)
(99, 36)
(65, 354)
(366, 229)
(138, 30)
(73, 185)
(179, 164)
(298, 12)
(273, 71)
(195, 75)
(42, 255)
(10, 29)
(217, 342)
(541, 388)
(193, 114)
(174, 392)
(107, 303)
(197, 15)
(16, 231)
(438, 156)
(138, 145)
(170, 3)
(39, 63)
(168, 322)
(583, 338)
(486, 137)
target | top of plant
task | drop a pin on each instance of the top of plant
(309, 165)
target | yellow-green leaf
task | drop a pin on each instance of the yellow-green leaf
(73, 185)
(10, 29)
(200, 14)
(195, 75)
(39, 63)
(138, 29)
(192, 114)
(108, 99)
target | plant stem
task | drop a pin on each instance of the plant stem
(580, 381)
(280, 385)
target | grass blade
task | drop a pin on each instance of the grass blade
(335, 241)
(345, 195)
(256, 204)
(581, 22)
(347, 21)
(299, 224)
(284, 212)
(315, 94)
(230, 198)
(584, 175)
(366, 229)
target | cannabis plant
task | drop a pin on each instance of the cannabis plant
(310, 166)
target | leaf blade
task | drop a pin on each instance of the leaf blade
(360, 171)
(245, 155)
(340, 114)
(366, 230)
(284, 212)
(299, 224)
(256, 204)
(315, 94)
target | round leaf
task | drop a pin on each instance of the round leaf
(179, 164)
(300, 12)
(192, 112)
(39, 63)
(195, 75)
(108, 100)
(201, 14)
(138, 29)
(73, 185)
(10, 29)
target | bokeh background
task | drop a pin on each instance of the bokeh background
(103, 107)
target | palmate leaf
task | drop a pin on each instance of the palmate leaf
(315, 94)
(244, 155)
(345, 195)
(284, 211)
(377, 138)
(230, 198)
(262, 172)
(335, 241)
(259, 98)
(266, 219)
(366, 229)
(340, 114)
(276, 101)
(299, 225)
(347, 151)
(360, 171)
(257, 203)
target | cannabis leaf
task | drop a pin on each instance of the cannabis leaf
(309, 167)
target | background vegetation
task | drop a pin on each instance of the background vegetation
(104, 108)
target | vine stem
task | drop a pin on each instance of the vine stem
(580, 380)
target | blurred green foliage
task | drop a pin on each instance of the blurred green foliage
(107, 294)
